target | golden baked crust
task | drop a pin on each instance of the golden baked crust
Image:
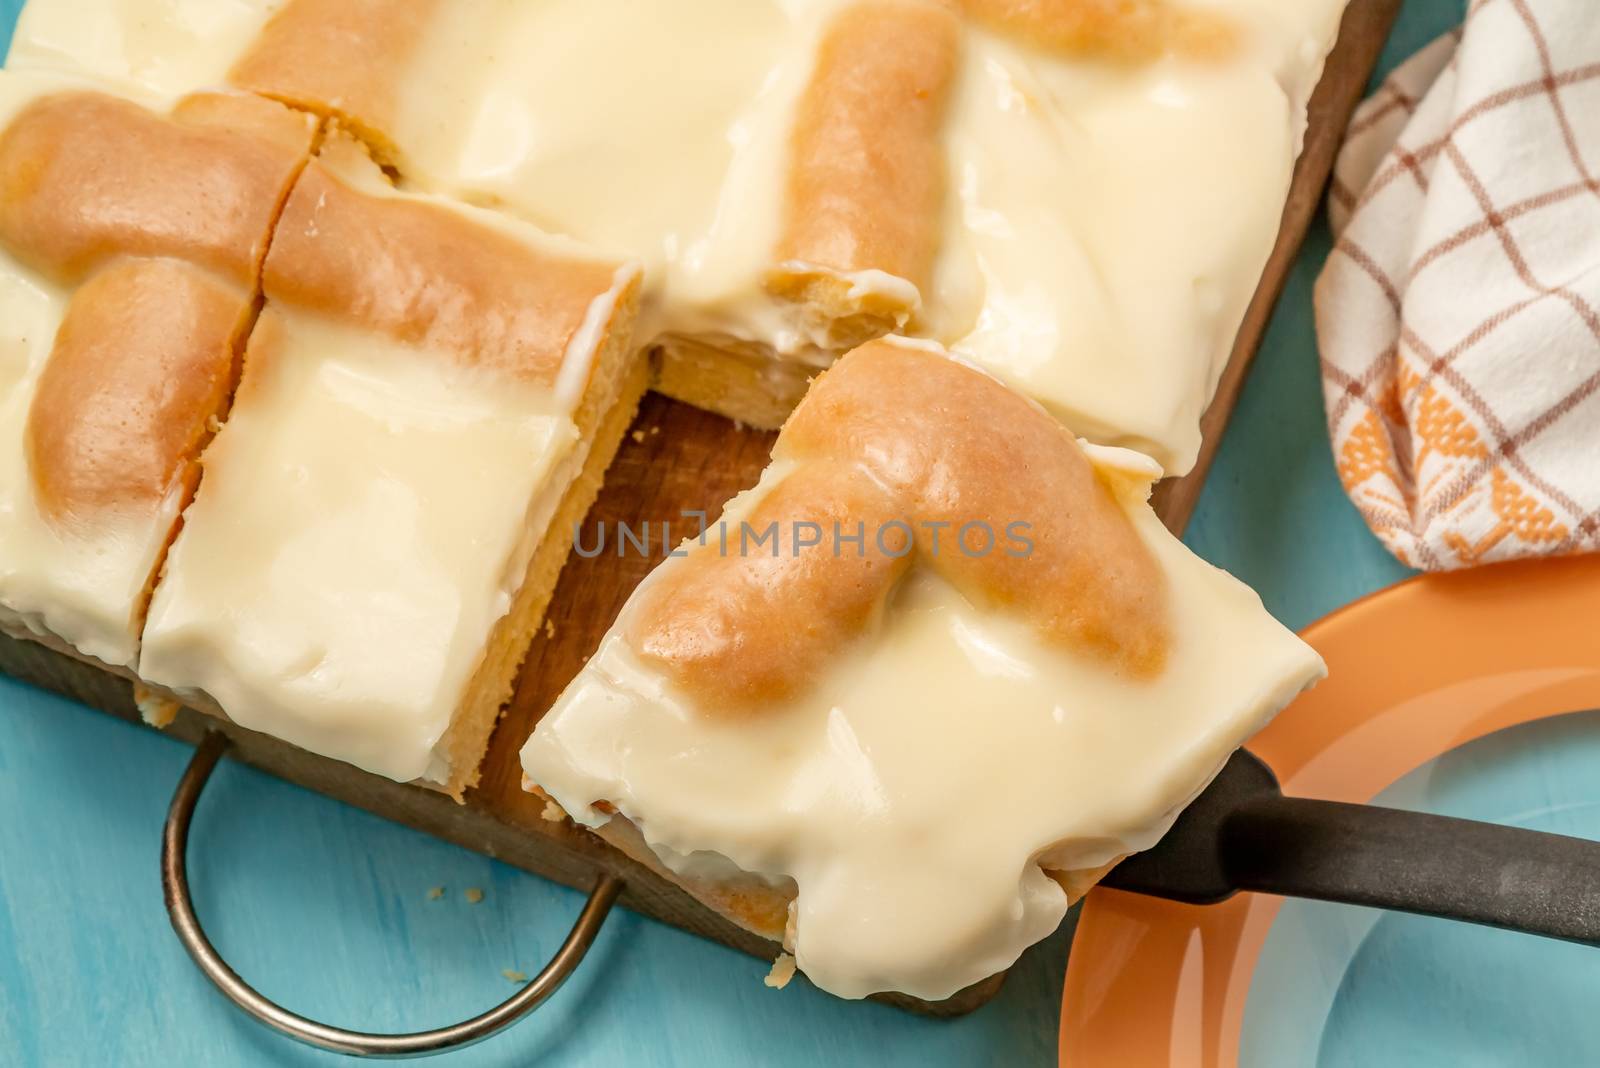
(604, 412)
(86, 177)
(742, 381)
(428, 276)
(142, 362)
(1122, 30)
(912, 446)
(750, 901)
(339, 58)
(741, 629)
(866, 176)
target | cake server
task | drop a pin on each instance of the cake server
(1242, 833)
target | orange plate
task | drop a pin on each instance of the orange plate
(1413, 672)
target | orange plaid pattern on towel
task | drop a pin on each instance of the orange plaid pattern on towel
(1457, 315)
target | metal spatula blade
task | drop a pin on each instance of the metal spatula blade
(1242, 833)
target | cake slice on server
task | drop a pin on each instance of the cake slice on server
(131, 240)
(1038, 186)
(429, 401)
(918, 689)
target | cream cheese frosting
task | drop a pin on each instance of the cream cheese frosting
(917, 791)
(1105, 223)
(166, 46)
(361, 525)
(1115, 222)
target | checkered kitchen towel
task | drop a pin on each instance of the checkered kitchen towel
(1459, 314)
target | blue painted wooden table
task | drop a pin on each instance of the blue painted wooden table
(329, 909)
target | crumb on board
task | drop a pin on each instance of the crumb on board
(553, 812)
(514, 976)
(549, 628)
(473, 895)
(638, 437)
(154, 709)
(782, 971)
(654, 431)
(436, 893)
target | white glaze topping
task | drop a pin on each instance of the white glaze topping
(362, 523)
(85, 587)
(1117, 221)
(915, 790)
(1105, 225)
(169, 46)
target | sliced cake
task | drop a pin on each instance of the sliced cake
(428, 402)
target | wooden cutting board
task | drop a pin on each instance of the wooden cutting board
(679, 459)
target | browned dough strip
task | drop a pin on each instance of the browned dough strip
(425, 275)
(1126, 31)
(142, 364)
(756, 624)
(893, 433)
(86, 177)
(867, 175)
(340, 58)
